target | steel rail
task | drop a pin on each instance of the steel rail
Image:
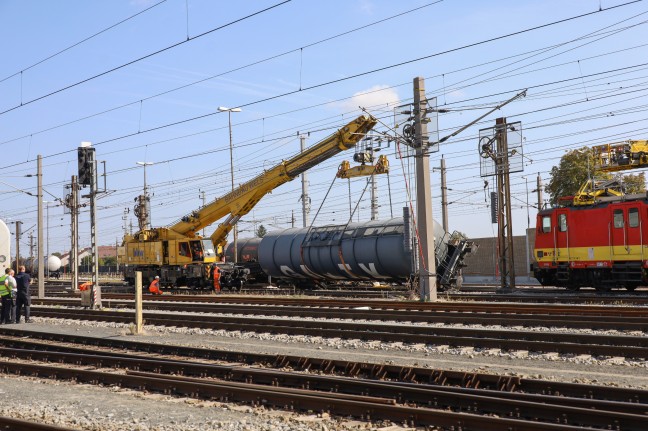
(541, 408)
(495, 307)
(301, 400)
(547, 342)
(632, 322)
(403, 374)
(11, 424)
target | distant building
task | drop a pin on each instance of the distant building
(104, 251)
(482, 264)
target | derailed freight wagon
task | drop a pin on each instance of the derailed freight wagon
(374, 251)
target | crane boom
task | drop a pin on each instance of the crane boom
(241, 200)
(179, 255)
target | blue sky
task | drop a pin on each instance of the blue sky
(585, 79)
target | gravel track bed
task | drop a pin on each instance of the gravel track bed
(386, 346)
(95, 408)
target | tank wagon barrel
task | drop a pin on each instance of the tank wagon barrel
(369, 251)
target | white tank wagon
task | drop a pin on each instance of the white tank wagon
(372, 251)
(5, 251)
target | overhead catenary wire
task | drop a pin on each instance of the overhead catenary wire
(605, 99)
(175, 45)
(330, 82)
(92, 36)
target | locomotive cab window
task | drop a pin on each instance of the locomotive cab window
(562, 222)
(633, 217)
(546, 224)
(618, 218)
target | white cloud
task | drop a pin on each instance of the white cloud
(142, 3)
(376, 97)
(366, 6)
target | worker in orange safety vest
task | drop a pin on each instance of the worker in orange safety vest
(85, 286)
(216, 276)
(154, 287)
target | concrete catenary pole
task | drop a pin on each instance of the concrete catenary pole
(202, 197)
(74, 250)
(96, 289)
(39, 249)
(539, 190)
(31, 249)
(374, 190)
(17, 223)
(444, 196)
(304, 197)
(427, 264)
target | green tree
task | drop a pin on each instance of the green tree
(261, 231)
(634, 183)
(86, 263)
(571, 173)
(109, 261)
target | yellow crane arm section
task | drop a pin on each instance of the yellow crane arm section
(241, 200)
(621, 156)
(346, 171)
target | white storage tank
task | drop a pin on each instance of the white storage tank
(5, 247)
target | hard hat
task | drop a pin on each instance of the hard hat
(157, 276)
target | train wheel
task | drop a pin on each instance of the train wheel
(573, 288)
(602, 288)
(631, 287)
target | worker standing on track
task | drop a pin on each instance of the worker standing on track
(5, 294)
(14, 292)
(154, 287)
(23, 301)
(216, 276)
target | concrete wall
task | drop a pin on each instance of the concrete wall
(483, 262)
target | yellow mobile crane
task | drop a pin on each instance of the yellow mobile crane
(180, 256)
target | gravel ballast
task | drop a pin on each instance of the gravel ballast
(87, 407)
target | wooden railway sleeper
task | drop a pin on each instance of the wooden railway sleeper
(352, 369)
(470, 380)
(407, 374)
(508, 383)
(328, 366)
(283, 361)
(381, 373)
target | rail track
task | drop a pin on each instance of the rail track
(531, 295)
(409, 395)
(10, 424)
(631, 347)
(615, 318)
(498, 301)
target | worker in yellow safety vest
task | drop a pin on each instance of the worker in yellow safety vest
(5, 295)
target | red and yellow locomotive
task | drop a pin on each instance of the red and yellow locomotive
(604, 245)
(600, 237)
